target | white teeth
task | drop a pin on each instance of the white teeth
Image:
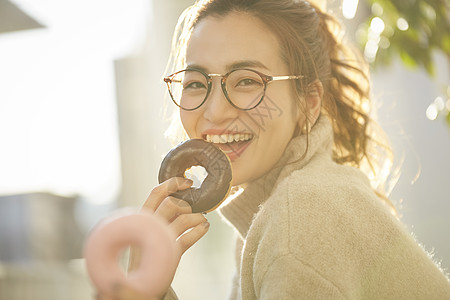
(228, 138)
(223, 138)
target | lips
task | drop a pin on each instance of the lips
(234, 150)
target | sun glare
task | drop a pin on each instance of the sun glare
(57, 110)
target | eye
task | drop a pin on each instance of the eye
(194, 85)
(248, 82)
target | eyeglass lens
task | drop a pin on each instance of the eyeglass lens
(245, 88)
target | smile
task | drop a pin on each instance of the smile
(232, 144)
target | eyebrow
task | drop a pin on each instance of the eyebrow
(236, 65)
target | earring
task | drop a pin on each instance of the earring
(306, 129)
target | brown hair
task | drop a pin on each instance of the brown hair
(311, 44)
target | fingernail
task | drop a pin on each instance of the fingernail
(189, 181)
(205, 224)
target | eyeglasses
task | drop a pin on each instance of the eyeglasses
(243, 88)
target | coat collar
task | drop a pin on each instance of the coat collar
(244, 202)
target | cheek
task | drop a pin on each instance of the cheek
(297, 108)
(288, 106)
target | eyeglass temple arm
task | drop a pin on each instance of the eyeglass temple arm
(274, 78)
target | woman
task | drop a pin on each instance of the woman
(289, 104)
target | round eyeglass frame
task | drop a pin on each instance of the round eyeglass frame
(265, 78)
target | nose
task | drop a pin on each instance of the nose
(217, 108)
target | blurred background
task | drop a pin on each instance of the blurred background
(83, 111)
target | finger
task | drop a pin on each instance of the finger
(191, 237)
(125, 293)
(100, 296)
(186, 222)
(166, 188)
(190, 228)
(172, 207)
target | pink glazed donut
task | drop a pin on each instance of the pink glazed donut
(126, 228)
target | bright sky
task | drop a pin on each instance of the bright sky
(58, 123)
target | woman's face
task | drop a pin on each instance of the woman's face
(217, 46)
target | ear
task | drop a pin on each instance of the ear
(314, 101)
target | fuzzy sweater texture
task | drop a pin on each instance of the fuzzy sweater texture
(314, 229)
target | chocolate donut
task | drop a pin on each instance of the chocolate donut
(198, 152)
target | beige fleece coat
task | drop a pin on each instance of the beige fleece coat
(313, 229)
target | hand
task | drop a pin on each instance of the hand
(124, 293)
(188, 227)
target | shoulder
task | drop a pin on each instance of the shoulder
(324, 190)
(325, 202)
(328, 222)
(319, 204)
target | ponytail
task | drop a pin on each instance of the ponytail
(358, 139)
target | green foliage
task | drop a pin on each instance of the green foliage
(428, 30)
(413, 31)
(447, 118)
